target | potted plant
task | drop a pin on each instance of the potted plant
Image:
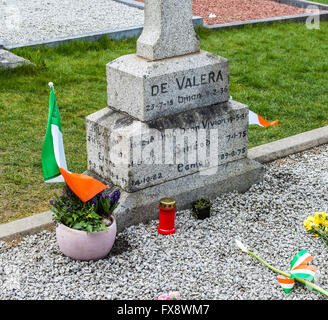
(85, 230)
(201, 208)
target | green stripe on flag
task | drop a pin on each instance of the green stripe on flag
(302, 275)
(55, 114)
(287, 290)
(297, 257)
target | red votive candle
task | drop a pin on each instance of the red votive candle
(166, 216)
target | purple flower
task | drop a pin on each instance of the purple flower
(68, 190)
(51, 202)
(115, 196)
(94, 200)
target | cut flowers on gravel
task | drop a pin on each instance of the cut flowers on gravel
(318, 225)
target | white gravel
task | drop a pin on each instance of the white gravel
(200, 258)
(24, 21)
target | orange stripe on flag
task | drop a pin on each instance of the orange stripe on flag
(305, 267)
(266, 123)
(285, 280)
(307, 260)
(84, 186)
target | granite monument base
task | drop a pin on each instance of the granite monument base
(135, 155)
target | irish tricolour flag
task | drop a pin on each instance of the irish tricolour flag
(299, 269)
(54, 166)
(254, 118)
(53, 154)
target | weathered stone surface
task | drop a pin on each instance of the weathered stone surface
(148, 90)
(9, 60)
(142, 206)
(168, 30)
(135, 155)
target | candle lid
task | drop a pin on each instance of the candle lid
(167, 203)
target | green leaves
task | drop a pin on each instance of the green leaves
(104, 203)
(202, 203)
(73, 213)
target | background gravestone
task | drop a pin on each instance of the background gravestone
(8, 60)
(170, 129)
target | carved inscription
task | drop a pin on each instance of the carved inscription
(188, 82)
(184, 90)
(154, 156)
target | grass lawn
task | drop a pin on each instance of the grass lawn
(280, 71)
(320, 1)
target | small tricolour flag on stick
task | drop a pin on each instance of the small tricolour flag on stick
(254, 118)
(54, 166)
(53, 154)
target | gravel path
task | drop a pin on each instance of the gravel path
(200, 258)
(24, 21)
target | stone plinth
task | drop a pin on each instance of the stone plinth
(135, 155)
(151, 89)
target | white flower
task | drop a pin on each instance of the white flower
(241, 246)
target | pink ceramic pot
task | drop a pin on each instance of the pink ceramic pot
(80, 245)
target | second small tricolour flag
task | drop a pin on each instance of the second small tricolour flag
(254, 118)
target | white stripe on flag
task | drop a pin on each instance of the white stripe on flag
(301, 259)
(306, 271)
(253, 118)
(287, 285)
(57, 179)
(57, 138)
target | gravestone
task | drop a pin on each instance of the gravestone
(8, 60)
(170, 129)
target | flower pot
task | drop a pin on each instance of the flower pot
(202, 213)
(80, 245)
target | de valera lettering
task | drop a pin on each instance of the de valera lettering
(188, 82)
(155, 90)
(185, 83)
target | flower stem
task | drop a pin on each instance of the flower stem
(269, 266)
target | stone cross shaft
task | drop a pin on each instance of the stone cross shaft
(168, 30)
